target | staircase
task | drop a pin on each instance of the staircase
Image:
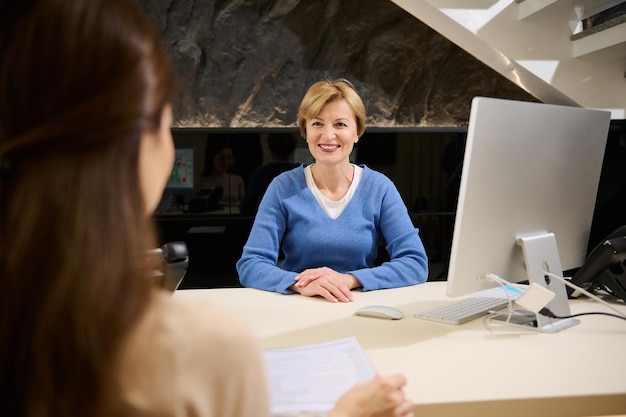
(540, 45)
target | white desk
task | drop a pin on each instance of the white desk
(455, 370)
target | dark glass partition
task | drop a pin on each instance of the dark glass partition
(424, 163)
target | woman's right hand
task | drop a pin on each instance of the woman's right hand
(377, 397)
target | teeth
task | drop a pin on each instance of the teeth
(329, 147)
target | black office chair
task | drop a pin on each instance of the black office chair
(172, 265)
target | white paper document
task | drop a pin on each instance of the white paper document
(312, 377)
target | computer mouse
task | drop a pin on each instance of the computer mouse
(383, 312)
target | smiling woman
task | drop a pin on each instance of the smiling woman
(329, 218)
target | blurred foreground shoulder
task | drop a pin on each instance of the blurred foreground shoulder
(196, 357)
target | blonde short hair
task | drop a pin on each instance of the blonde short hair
(323, 92)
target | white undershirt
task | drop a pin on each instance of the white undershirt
(333, 208)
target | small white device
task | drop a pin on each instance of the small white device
(382, 312)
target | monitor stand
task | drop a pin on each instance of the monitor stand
(541, 254)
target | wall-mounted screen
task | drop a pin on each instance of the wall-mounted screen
(182, 171)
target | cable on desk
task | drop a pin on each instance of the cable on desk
(587, 293)
(511, 310)
(503, 283)
(546, 312)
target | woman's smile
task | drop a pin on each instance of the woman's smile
(328, 147)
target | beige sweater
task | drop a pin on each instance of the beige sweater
(188, 359)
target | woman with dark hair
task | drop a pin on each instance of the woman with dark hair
(81, 83)
(281, 146)
(219, 159)
(85, 151)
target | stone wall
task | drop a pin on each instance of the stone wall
(247, 63)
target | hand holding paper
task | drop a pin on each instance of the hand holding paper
(335, 377)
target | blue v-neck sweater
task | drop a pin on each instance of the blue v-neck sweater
(290, 217)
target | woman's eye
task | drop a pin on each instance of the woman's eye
(341, 124)
(316, 124)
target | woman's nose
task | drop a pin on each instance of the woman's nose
(329, 132)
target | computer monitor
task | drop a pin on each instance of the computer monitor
(528, 188)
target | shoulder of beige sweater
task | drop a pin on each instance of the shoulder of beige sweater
(190, 308)
(202, 317)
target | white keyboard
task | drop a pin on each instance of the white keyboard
(462, 311)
